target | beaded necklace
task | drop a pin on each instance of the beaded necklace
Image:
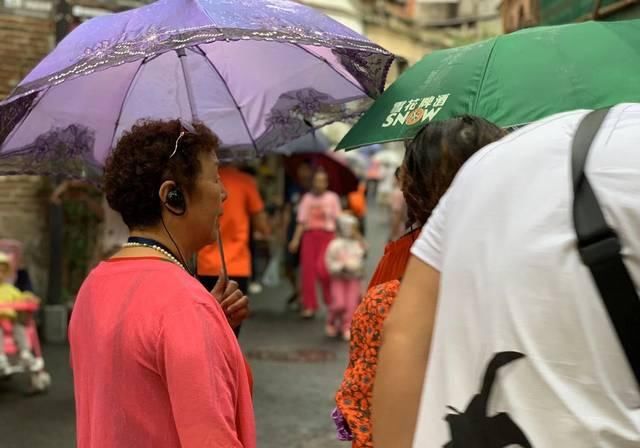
(155, 245)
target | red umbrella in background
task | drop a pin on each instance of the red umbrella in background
(342, 179)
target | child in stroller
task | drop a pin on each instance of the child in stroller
(18, 336)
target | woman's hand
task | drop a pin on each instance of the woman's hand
(294, 245)
(233, 301)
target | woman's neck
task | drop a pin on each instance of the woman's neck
(170, 242)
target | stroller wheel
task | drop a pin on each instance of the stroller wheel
(40, 381)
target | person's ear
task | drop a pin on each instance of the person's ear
(172, 198)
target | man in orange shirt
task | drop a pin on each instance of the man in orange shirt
(242, 211)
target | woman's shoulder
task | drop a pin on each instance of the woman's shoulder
(189, 291)
(378, 300)
(186, 296)
(332, 195)
(166, 282)
(376, 304)
(383, 292)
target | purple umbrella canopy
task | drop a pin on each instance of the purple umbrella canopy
(259, 73)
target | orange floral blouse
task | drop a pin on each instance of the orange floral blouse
(354, 396)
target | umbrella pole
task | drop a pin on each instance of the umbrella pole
(194, 117)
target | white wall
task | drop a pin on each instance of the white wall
(343, 11)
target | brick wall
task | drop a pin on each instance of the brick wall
(23, 216)
(24, 41)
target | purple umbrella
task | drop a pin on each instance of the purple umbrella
(313, 142)
(260, 73)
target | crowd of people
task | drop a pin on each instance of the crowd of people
(481, 275)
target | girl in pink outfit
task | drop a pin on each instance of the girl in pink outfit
(345, 263)
(317, 214)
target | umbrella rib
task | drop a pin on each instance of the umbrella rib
(360, 88)
(124, 100)
(484, 74)
(244, 121)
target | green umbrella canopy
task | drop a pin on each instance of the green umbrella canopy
(510, 80)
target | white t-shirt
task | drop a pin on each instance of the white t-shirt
(512, 281)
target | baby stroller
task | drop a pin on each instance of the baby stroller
(27, 306)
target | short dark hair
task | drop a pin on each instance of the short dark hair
(141, 162)
(433, 158)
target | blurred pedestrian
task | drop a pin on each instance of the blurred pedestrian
(374, 174)
(258, 241)
(155, 361)
(385, 185)
(357, 203)
(499, 336)
(295, 189)
(242, 211)
(345, 263)
(431, 161)
(316, 226)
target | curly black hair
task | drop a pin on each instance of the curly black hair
(433, 158)
(141, 162)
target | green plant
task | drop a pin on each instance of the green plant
(80, 235)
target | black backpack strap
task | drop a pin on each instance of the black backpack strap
(600, 247)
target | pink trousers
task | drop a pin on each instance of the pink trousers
(312, 251)
(345, 297)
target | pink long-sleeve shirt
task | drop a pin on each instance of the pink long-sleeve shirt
(319, 212)
(155, 362)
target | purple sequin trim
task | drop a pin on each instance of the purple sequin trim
(356, 55)
(342, 427)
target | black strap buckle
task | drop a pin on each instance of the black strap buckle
(600, 249)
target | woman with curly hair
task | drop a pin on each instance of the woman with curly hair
(431, 161)
(154, 358)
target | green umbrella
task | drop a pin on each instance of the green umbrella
(511, 80)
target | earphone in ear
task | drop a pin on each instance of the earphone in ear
(176, 204)
(175, 201)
